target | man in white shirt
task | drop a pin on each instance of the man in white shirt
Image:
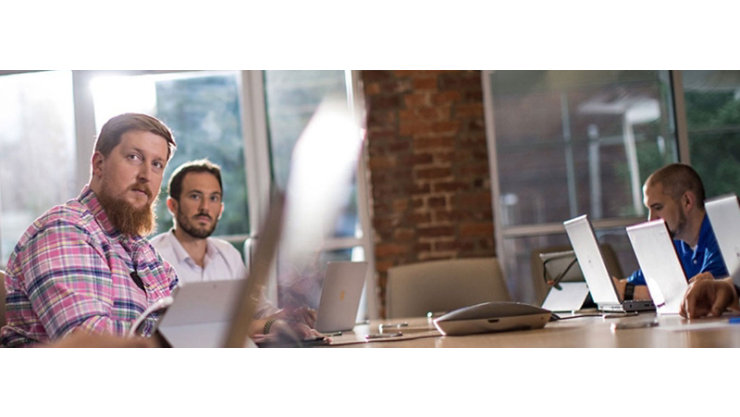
(195, 202)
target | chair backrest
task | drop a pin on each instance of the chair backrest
(438, 286)
(574, 273)
(2, 298)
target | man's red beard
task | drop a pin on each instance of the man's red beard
(128, 219)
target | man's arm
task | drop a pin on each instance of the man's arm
(640, 292)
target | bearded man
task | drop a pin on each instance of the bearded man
(85, 265)
(675, 193)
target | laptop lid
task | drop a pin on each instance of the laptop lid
(340, 296)
(250, 289)
(724, 213)
(586, 247)
(659, 262)
(200, 317)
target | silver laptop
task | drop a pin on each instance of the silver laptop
(600, 283)
(724, 213)
(656, 254)
(340, 296)
(201, 315)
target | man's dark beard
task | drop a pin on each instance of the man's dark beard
(184, 224)
(128, 219)
(679, 227)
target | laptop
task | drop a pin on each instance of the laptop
(340, 296)
(201, 315)
(600, 283)
(656, 254)
(724, 213)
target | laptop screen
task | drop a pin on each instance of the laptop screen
(659, 262)
(587, 251)
(724, 213)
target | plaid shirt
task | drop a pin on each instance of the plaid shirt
(72, 269)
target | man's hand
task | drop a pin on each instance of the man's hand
(302, 315)
(289, 323)
(708, 297)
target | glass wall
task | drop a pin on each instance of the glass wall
(712, 100)
(291, 98)
(37, 149)
(569, 143)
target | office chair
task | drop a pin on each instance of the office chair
(558, 266)
(440, 286)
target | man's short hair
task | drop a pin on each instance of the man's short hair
(174, 187)
(678, 178)
(113, 129)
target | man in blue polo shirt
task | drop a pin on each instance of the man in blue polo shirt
(675, 194)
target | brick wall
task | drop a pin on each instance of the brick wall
(428, 162)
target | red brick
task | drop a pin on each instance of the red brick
(433, 142)
(435, 231)
(474, 109)
(446, 246)
(476, 229)
(420, 218)
(383, 250)
(381, 162)
(446, 97)
(404, 234)
(422, 159)
(414, 127)
(451, 127)
(425, 83)
(447, 186)
(432, 173)
(417, 100)
(372, 88)
(435, 202)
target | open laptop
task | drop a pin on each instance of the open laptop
(656, 254)
(600, 283)
(724, 213)
(340, 296)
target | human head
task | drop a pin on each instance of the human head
(675, 194)
(195, 198)
(128, 163)
(115, 127)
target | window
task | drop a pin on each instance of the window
(37, 149)
(291, 98)
(565, 143)
(712, 100)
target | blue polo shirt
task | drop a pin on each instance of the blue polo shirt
(705, 258)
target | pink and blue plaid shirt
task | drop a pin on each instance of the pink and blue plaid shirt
(72, 269)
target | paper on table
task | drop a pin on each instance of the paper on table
(569, 298)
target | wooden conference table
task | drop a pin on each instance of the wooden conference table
(576, 332)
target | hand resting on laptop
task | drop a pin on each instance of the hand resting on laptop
(290, 323)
